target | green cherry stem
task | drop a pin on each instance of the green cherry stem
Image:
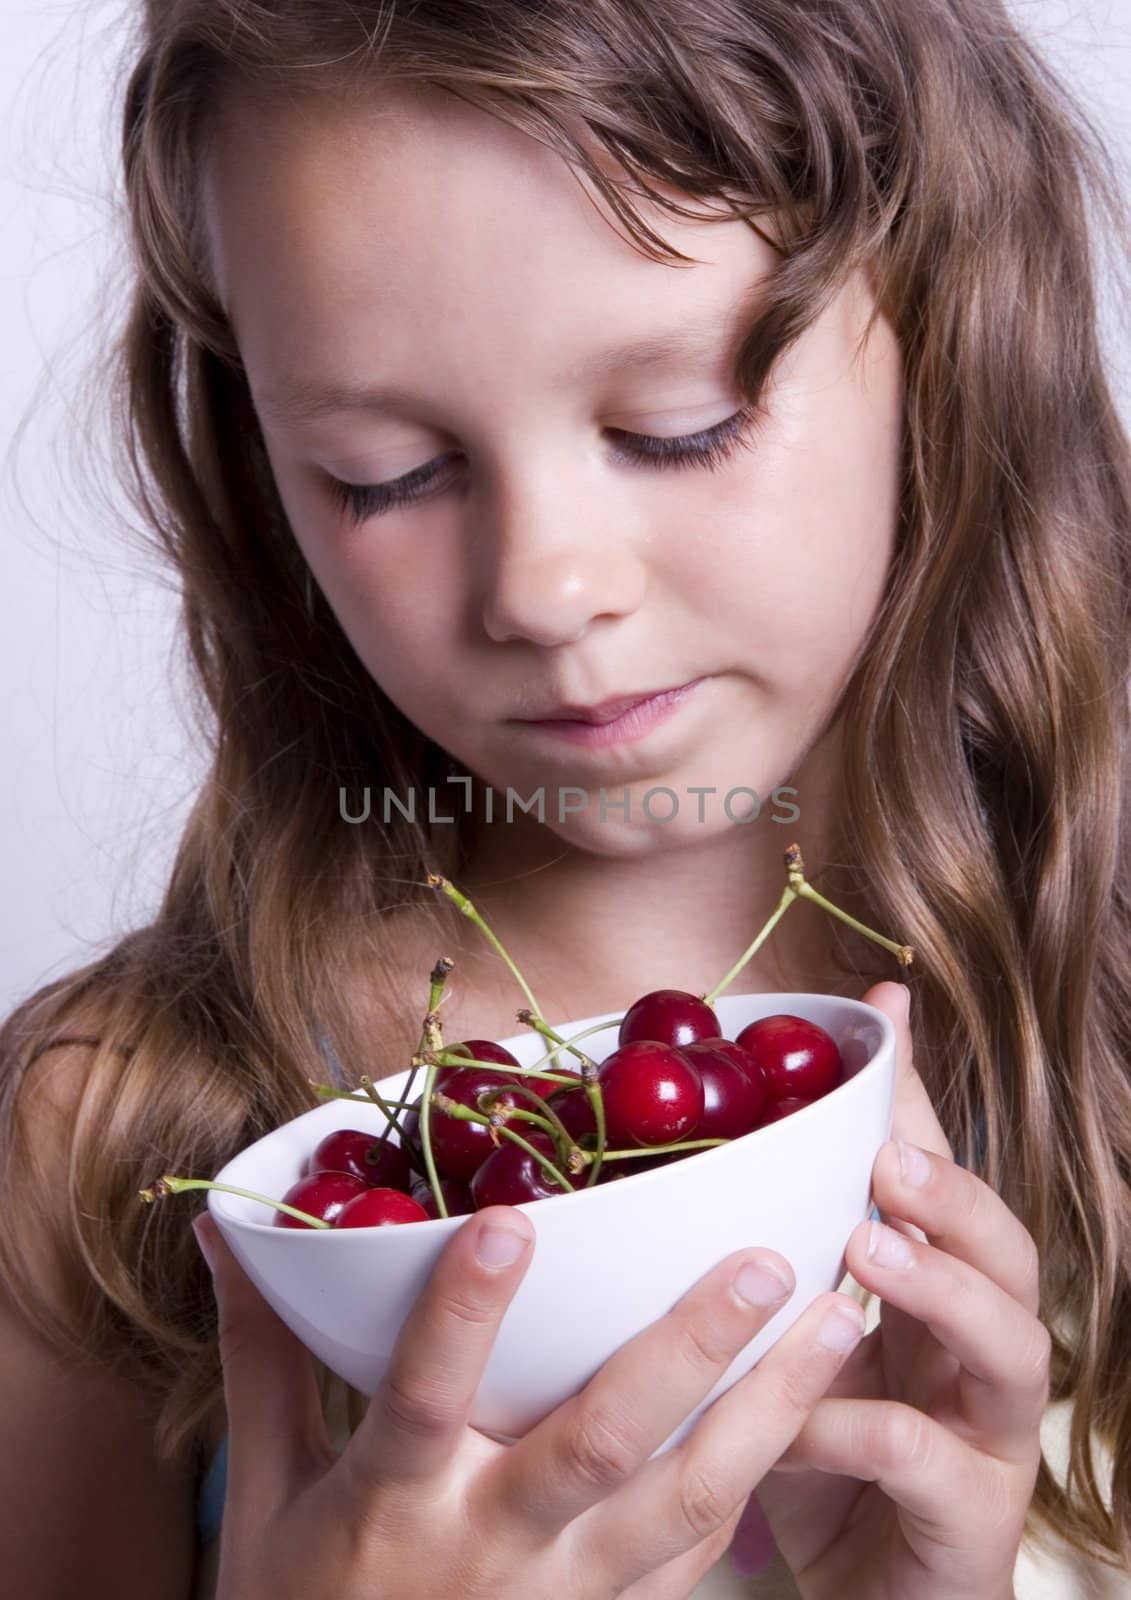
(563, 1141)
(798, 888)
(171, 1185)
(436, 881)
(796, 870)
(590, 1079)
(450, 1058)
(382, 1105)
(429, 1038)
(427, 1097)
(788, 896)
(463, 1113)
(589, 1156)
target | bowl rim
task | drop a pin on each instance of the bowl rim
(216, 1198)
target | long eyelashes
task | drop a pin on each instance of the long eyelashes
(708, 449)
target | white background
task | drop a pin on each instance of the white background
(97, 766)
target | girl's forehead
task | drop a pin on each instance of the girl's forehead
(429, 224)
(419, 182)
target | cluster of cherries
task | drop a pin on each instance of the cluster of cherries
(673, 1080)
(488, 1131)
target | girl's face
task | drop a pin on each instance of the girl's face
(519, 348)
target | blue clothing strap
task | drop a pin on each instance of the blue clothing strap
(210, 1497)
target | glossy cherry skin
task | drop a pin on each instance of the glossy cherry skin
(734, 1092)
(510, 1175)
(777, 1109)
(652, 1095)
(458, 1146)
(321, 1194)
(799, 1060)
(348, 1150)
(457, 1197)
(669, 1016)
(380, 1208)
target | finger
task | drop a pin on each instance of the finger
(959, 1214)
(274, 1408)
(684, 1496)
(913, 1115)
(918, 1463)
(678, 1580)
(588, 1446)
(1002, 1350)
(419, 1410)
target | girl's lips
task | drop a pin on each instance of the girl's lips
(632, 723)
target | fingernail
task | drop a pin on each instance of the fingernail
(201, 1236)
(905, 996)
(914, 1167)
(760, 1284)
(499, 1247)
(842, 1328)
(887, 1248)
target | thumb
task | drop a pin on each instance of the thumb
(275, 1420)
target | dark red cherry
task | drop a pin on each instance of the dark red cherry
(459, 1146)
(510, 1175)
(488, 1050)
(321, 1194)
(734, 1092)
(652, 1094)
(380, 1208)
(799, 1060)
(457, 1196)
(669, 1016)
(574, 1109)
(349, 1150)
(777, 1109)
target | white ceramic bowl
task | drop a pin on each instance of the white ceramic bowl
(608, 1260)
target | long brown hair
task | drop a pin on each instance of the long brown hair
(985, 801)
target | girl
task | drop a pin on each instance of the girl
(492, 366)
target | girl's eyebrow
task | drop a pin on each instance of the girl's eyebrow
(297, 398)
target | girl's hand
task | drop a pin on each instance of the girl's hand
(419, 1504)
(913, 1477)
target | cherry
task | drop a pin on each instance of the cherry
(574, 1109)
(319, 1194)
(349, 1150)
(510, 1175)
(380, 1208)
(488, 1050)
(653, 1094)
(782, 1108)
(457, 1196)
(668, 1016)
(799, 1060)
(460, 1146)
(734, 1091)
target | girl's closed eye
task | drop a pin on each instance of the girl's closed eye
(708, 448)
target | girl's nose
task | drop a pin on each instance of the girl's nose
(549, 570)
